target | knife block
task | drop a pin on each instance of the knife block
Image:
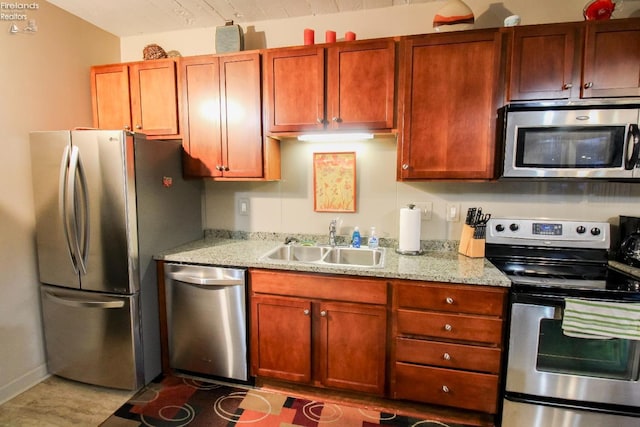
(465, 239)
(476, 248)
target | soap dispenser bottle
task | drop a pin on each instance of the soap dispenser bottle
(355, 238)
(373, 239)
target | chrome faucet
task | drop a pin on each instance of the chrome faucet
(332, 232)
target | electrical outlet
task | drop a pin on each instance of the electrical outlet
(452, 213)
(243, 206)
(426, 209)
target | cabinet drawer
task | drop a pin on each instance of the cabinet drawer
(451, 298)
(449, 326)
(467, 390)
(336, 288)
(448, 355)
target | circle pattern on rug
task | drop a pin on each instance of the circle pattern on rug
(230, 416)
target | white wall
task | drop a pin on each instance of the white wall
(287, 206)
(44, 85)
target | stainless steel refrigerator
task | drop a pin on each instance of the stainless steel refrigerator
(106, 202)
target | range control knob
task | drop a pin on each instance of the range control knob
(581, 229)
(595, 231)
(514, 227)
(500, 228)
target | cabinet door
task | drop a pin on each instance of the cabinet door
(294, 89)
(450, 98)
(353, 345)
(612, 59)
(545, 62)
(110, 97)
(154, 105)
(361, 85)
(241, 114)
(281, 338)
(200, 116)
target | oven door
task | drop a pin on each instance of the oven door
(544, 362)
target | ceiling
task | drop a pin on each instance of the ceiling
(126, 18)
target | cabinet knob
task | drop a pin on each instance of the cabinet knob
(588, 85)
(127, 127)
(446, 356)
(219, 167)
(337, 119)
(323, 313)
(448, 327)
(449, 300)
(225, 168)
(567, 86)
(320, 120)
(306, 311)
(138, 127)
(445, 389)
(405, 166)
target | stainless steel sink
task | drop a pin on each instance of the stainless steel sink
(297, 253)
(327, 255)
(354, 256)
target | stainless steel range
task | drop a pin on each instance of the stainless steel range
(572, 360)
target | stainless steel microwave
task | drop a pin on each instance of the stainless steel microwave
(596, 141)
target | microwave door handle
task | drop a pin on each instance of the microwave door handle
(633, 147)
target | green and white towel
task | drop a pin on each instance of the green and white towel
(606, 319)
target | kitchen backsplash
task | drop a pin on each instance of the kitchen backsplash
(286, 206)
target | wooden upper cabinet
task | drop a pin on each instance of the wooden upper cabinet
(154, 103)
(345, 86)
(200, 116)
(110, 97)
(545, 62)
(361, 85)
(294, 89)
(222, 117)
(612, 59)
(137, 96)
(595, 59)
(449, 97)
(241, 108)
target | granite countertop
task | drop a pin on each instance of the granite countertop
(436, 265)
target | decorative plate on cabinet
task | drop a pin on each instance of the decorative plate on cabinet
(597, 10)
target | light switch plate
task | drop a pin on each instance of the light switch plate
(426, 210)
(452, 213)
(243, 206)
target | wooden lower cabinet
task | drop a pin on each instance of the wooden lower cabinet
(447, 344)
(327, 336)
(449, 387)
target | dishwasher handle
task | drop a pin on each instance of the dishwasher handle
(223, 279)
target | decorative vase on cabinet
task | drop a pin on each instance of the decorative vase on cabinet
(454, 15)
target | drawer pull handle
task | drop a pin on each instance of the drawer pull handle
(323, 313)
(445, 389)
(446, 356)
(449, 300)
(306, 311)
(448, 327)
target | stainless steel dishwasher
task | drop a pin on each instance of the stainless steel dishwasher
(207, 320)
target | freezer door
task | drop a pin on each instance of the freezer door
(107, 163)
(93, 338)
(49, 151)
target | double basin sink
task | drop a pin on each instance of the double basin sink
(327, 255)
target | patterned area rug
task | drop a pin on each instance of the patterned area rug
(177, 401)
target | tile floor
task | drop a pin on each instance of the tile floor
(57, 402)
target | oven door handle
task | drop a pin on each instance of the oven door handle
(538, 299)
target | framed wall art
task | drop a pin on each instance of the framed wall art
(334, 182)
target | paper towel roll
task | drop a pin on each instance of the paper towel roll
(409, 240)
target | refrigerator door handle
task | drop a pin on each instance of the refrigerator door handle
(83, 303)
(62, 204)
(79, 229)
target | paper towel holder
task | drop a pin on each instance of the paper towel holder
(413, 253)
